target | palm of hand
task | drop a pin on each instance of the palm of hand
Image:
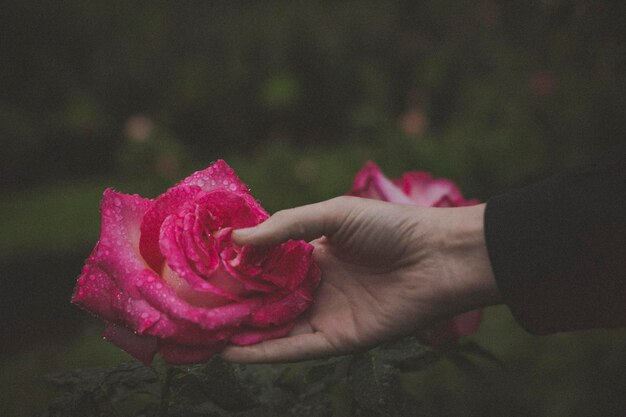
(366, 297)
(381, 278)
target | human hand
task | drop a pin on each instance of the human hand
(387, 270)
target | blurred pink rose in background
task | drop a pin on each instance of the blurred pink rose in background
(138, 128)
(166, 278)
(420, 189)
(542, 83)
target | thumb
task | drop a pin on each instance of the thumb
(301, 223)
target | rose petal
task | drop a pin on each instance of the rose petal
(94, 291)
(245, 267)
(370, 182)
(467, 323)
(282, 311)
(117, 252)
(143, 348)
(171, 231)
(450, 331)
(218, 175)
(279, 310)
(252, 336)
(289, 264)
(199, 246)
(134, 313)
(185, 333)
(426, 191)
(164, 299)
(446, 201)
(176, 354)
(164, 206)
(97, 293)
(228, 209)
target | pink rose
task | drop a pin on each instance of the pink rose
(420, 189)
(166, 277)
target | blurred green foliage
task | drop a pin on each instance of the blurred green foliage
(491, 93)
(296, 96)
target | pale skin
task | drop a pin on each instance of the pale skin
(388, 270)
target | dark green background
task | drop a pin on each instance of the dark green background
(296, 96)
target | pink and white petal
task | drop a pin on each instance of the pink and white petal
(229, 209)
(177, 260)
(450, 331)
(176, 354)
(136, 314)
(426, 191)
(252, 336)
(413, 183)
(289, 264)
(248, 259)
(164, 299)
(370, 182)
(142, 348)
(467, 323)
(246, 274)
(313, 278)
(217, 175)
(200, 246)
(185, 333)
(199, 298)
(446, 201)
(164, 206)
(117, 251)
(282, 311)
(94, 291)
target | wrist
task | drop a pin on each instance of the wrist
(460, 239)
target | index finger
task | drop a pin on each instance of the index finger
(306, 222)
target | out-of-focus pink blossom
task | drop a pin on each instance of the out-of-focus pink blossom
(542, 83)
(421, 189)
(414, 122)
(138, 128)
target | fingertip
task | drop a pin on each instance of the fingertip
(243, 236)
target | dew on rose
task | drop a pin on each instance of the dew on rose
(182, 301)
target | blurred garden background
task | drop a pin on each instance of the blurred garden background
(296, 96)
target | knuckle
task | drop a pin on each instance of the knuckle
(281, 215)
(297, 229)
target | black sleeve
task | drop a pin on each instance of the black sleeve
(558, 248)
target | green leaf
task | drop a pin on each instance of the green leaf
(221, 384)
(475, 349)
(307, 380)
(377, 390)
(408, 355)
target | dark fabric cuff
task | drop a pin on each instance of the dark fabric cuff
(558, 248)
